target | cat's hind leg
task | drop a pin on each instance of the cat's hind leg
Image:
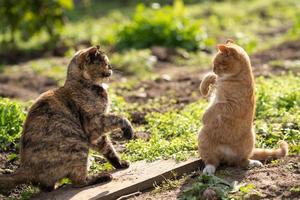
(104, 146)
(209, 169)
(45, 181)
(254, 163)
(249, 163)
(211, 162)
(80, 178)
(208, 153)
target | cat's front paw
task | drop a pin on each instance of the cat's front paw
(209, 170)
(128, 131)
(123, 164)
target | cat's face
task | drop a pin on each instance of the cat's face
(230, 59)
(94, 64)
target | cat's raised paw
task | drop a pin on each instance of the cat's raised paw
(128, 132)
(209, 170)
(254, 163)
(124, 164)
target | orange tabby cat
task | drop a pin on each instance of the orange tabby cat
(227, 134)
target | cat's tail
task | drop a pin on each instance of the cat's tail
(265, 154)
(9, 181)
(206, 82)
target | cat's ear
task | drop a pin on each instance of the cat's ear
(226, 49)
(228, 41)
(90, 52)
(86, 56)
(222, 48)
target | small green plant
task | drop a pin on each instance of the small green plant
(12, 115)
(167, 26)
(218, 185)
(247, 188)
(295, 190)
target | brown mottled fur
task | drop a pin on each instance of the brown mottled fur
(227, 134)
(63, 124)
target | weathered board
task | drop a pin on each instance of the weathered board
(140, 176)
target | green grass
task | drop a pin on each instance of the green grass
(173, 135)
(278, 111)
(12, 115)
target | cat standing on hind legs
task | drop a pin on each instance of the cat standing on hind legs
(63, 124)
(227, 134)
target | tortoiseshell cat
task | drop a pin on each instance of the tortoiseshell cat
(227, 134)
(63, 124)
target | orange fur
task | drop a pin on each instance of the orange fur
(264, 154)
(227, 134)
(208, 80)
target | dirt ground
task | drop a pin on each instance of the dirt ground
(272, 181)
(24, 86)
(179, 84)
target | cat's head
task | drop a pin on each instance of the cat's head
(230, 60)
(93, 64)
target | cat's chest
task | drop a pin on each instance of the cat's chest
(97, 100)
(216, 97)
(99, 92)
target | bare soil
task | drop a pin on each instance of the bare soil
(285, 51)
(24, 86)
(272, 181)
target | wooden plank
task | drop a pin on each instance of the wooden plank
(140, 176)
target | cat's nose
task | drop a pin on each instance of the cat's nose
(108, 73)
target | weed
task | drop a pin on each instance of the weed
(166, 26)
(204, 182)
(12, 115)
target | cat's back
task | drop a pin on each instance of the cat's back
(235, 90)
(50, 128)
(47, 108)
